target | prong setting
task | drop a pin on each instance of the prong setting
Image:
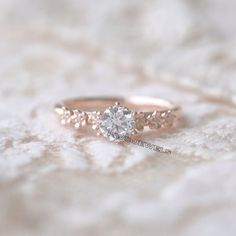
(117, 122)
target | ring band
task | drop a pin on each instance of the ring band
(115, 118)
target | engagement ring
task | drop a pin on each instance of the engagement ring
(118, 118)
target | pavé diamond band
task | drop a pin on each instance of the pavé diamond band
(115, 118)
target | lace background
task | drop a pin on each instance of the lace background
(56, 182)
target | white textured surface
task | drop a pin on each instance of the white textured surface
(53, 182)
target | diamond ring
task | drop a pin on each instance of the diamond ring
(116, 118)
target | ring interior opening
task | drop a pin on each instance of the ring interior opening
(146, 104)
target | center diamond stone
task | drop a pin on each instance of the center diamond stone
(116, 123)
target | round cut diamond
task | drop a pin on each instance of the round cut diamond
(116, 123)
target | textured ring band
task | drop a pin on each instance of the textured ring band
(116, 118)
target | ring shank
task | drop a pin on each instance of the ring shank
(136, 103)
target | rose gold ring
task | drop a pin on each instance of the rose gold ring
(116, 118)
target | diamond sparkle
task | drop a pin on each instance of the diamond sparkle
(116, 123)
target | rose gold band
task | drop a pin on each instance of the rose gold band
(149, 112)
